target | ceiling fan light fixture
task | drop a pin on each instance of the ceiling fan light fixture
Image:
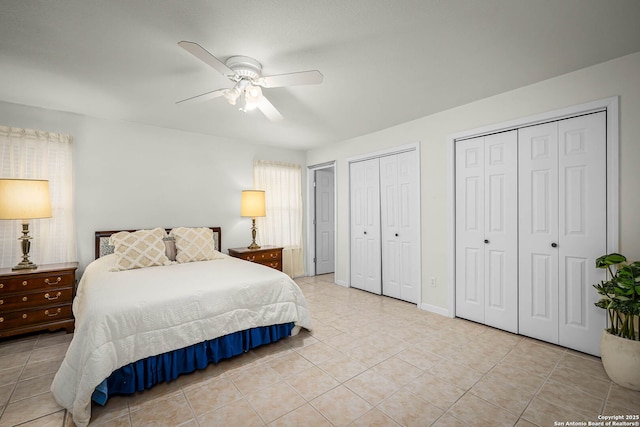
(253, 94)
(245, 104)
(249, 97)
(232, 95)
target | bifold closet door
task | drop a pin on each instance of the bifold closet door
(366, 268)
(399, 211)
(487, 230)
(562, 172)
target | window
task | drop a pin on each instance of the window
(282, 226)
(32, 154)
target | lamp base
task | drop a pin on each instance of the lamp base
(24, 266)
(254, 229)
(26, 263)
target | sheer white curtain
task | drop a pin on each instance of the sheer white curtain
(282, 183)
(32, 154)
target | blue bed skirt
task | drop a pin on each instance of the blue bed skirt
(145, 373)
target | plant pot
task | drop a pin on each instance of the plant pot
(621, 360)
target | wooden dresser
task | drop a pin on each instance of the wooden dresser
(271, 256)
(34, 300)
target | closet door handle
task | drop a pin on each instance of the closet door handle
(365, 232)
(554, 245)
(486, 240)
(396, 234)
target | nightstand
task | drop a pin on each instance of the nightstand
(34, 300)
(271, 256)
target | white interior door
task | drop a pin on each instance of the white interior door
(400, 222)
(486, 230)
(538, 278)
(582, 229)
(562, 230)
(501, 231)
(365, 226)
(324, 221)
(470, 224)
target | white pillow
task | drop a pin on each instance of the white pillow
(142, 248)
(194, 244)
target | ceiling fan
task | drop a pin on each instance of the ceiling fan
(246, 73)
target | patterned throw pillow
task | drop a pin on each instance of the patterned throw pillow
(142, 248)
(194, 244)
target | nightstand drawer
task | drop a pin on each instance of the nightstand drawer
(270, 256)
(36, 299)
(263, 258)
(273, 264)
(31, 317)
(36, 282)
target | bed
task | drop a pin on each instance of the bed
(143, 325)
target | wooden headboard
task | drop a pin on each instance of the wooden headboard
(102, 239)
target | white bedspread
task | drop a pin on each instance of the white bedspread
(129, 315)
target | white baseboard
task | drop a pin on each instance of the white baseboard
(342, 283)
(435, 309)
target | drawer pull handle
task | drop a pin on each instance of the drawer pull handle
(54, 314)
(24, 299)
(24, 316)
(1, 302)
(252, 258)
(274, 255)
(1, 285)
(25, 283)
(50, 298)
(1, 319)
(50, 283)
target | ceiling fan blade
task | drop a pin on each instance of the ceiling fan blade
(205, 56)
(205, 96)
(269, 110)
(312, 77)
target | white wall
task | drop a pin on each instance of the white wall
(617, 77)
(130, 175)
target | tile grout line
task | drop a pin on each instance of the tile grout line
(15, 385)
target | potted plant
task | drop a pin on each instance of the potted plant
(620, 343)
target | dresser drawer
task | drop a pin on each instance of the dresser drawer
(31, 317)
(263, 257)
(35, 299)
(36, 282)
(273, 264)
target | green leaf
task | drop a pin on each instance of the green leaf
(611, 259)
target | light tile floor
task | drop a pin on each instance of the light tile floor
(370, 361)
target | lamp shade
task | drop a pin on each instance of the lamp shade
(24, 199)
(252, 203)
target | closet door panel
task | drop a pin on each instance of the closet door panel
(582, 229)
(365, 225)
(409, 225)
(470, 223)
(501, 231)
(389, 199)
(399, 178)
(538, 231)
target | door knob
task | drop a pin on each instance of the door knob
(554, 245)
(486, 240)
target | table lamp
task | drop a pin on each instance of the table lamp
(24, 199)
(252, 205)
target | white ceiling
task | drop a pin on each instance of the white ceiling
(384, 62)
